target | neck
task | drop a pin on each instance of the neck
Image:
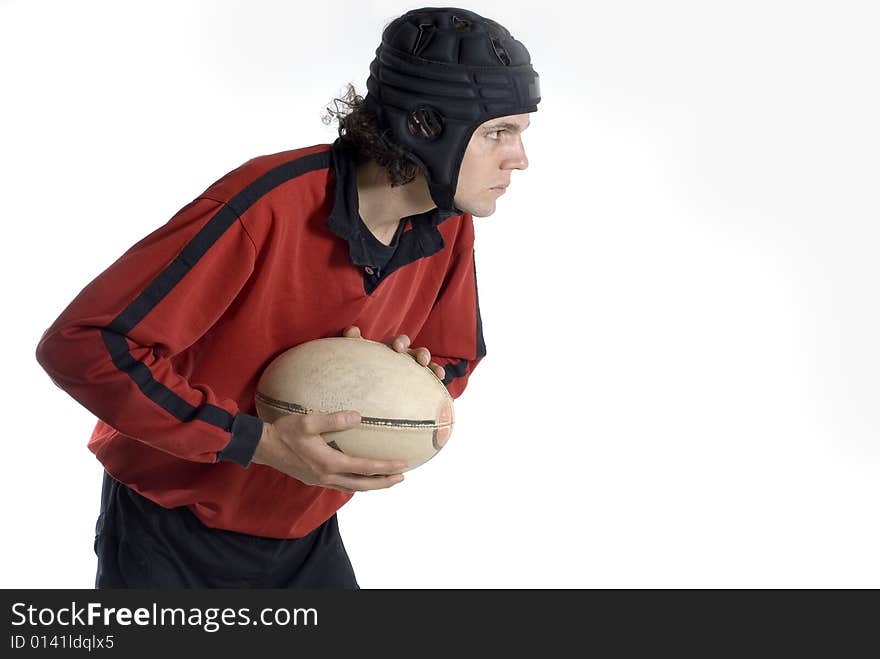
(381, 207)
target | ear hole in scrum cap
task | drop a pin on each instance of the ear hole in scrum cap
(425, 123)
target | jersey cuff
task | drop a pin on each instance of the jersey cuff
(246, 433)
(454, 370)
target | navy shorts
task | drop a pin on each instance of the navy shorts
(141, 544)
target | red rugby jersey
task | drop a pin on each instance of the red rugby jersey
(166, 346)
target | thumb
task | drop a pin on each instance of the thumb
(321, 423)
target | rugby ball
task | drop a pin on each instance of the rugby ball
(406, 411)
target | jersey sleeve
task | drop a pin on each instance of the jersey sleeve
(453, 331)
(111, 348)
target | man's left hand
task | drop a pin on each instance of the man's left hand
(401, 343)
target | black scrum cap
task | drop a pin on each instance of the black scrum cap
(437, 75)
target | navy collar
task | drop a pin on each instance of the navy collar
(345, 220)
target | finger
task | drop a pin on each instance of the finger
(352, 332)
(316, 424)
(399, 343)
(340, 463)
(354, 483)
(439, 371)
(421, 355)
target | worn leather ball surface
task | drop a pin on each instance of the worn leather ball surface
(406, 411)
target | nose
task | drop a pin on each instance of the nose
(518, 158)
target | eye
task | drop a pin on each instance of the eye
(494, 132)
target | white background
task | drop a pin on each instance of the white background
(679, 296)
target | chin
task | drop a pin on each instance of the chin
(476, 210)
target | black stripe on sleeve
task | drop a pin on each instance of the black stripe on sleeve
(244, 428)
(158, 392)
(275, 177)
(163, 284)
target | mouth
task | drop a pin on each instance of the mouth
(501, 189)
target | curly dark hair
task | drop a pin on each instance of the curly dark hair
(359, 129)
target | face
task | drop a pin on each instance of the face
(494, 151)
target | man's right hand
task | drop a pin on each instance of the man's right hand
(293, 445)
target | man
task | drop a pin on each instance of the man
(166, 346)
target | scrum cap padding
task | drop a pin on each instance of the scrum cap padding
(437, 75)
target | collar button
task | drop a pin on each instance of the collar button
(368, 270)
